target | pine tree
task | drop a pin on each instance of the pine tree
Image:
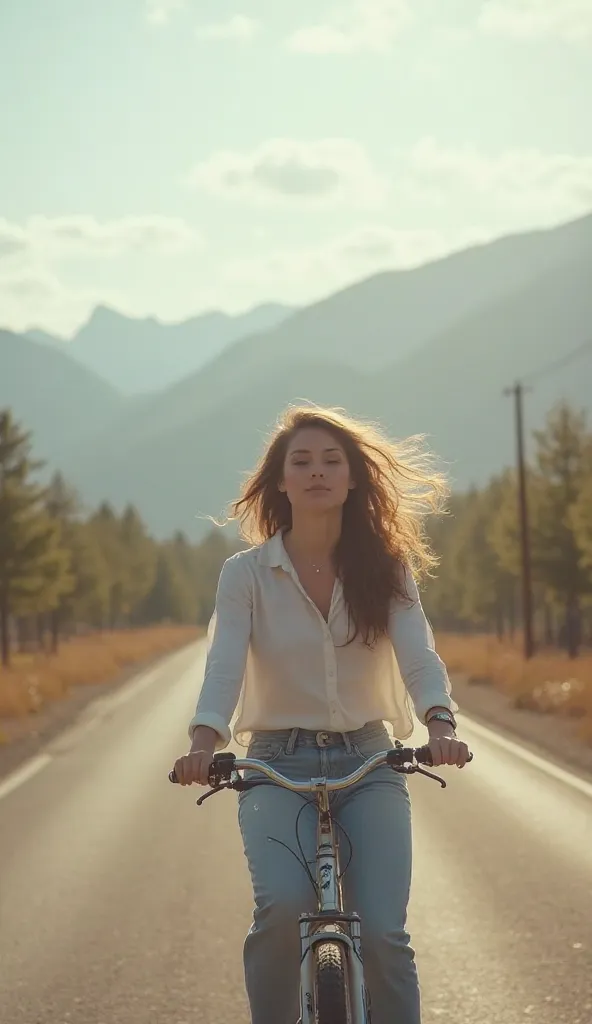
(561, 457)
(139, 563)
(580, 518)
(104, 525)
(171, 597)
(34, 569)
(62, 506)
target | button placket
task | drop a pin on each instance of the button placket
(329, 658)
(331, 679)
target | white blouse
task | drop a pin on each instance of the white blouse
(274, 658)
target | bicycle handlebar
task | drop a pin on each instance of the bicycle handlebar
(402, 759)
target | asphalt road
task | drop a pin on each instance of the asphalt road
(122, 903)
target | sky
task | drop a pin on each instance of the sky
(165, 157)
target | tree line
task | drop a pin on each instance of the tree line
(478, 585)
(63, 569)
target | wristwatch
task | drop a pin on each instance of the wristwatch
(442, 716)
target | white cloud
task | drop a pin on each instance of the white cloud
(13, 239)
(238, 27)
(159, 12)
(364, 25)
(33, 285)
(325, 171)
(59, 236)
(33, 296)
(523, 182)
(535, 19)
(305, 274)
(375, 245)
(30, 291)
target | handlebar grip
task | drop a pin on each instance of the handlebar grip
(423, 756)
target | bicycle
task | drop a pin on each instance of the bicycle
(332, 986)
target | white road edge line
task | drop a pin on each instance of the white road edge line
(527, 755)
(92, 715)
(24, 773)
(36, 764)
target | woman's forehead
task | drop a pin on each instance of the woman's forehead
(314, 439)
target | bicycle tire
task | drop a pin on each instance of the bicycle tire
(331, 984)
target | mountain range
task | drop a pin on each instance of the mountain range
(427, 350)
(139, 356)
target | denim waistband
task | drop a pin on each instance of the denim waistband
(291, 738)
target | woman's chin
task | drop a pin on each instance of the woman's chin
(320, 501)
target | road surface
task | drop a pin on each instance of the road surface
(122, 903)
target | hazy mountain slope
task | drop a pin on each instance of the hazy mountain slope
(389, 315)
(52, 395)
(44, 337)
(195, 469)
(181, 451)
(360, 325)
(451, 390)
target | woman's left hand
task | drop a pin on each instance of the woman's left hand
(445, 747)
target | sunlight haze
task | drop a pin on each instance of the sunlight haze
(163, 157)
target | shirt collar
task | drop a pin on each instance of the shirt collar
(273, 553)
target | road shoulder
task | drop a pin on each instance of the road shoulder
(550, 736)
(30, 734)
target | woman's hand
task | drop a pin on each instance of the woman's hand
(194, 767)
(445, 747)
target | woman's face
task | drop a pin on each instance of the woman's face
(316, 471)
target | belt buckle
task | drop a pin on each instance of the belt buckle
(323, 738)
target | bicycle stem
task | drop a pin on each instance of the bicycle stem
(327, 859)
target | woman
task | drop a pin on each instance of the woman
(311, 627)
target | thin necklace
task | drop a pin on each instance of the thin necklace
(315, 565)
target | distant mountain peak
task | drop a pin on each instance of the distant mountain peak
(140, 355)
(101, 314)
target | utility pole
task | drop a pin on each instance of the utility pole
(518, 391)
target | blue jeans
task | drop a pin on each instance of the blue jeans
(376, 815)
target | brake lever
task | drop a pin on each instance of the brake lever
(411, 769)
(430, 775)
(211, 792)
(239, 785)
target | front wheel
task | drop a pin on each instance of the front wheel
(331, 983)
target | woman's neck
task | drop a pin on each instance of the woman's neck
(315, 537)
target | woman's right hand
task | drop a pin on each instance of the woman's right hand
(194, 767)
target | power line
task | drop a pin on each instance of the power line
(557, 364)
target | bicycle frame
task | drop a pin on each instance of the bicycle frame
(330, 922)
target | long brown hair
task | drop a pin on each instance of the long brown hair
(383, 516)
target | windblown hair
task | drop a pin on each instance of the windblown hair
(383, 529)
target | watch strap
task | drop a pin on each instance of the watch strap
(441, 716)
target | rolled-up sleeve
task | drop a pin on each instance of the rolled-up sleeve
(422, 669)
(228, 645)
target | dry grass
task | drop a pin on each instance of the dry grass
(550, 683)
(35, 679)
